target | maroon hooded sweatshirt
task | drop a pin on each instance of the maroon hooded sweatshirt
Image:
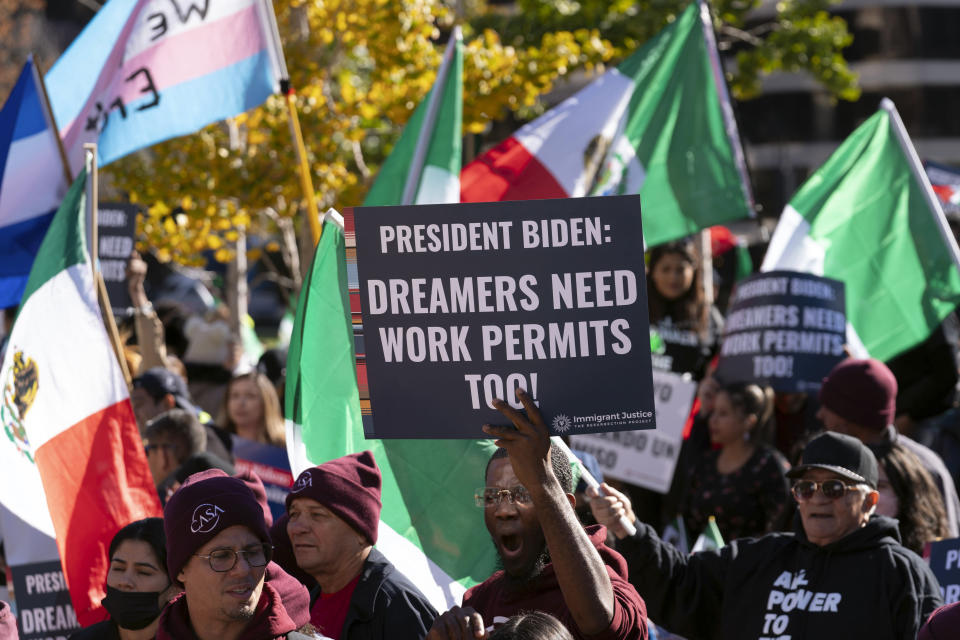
(496, 602)
(270, 619)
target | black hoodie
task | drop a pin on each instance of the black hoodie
(782, 586)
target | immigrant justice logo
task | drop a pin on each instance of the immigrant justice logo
(205, 518)
(561, 423)
(19, 392)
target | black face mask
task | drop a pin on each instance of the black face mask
(132, 609)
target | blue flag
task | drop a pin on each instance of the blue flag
(32, 182)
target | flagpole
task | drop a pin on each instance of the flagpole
(921, 176)
(51, 121)
(279, 64)
(106, 311)
(590, 481)
(433, 107)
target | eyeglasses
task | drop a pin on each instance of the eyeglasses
(491, 496)
(833, 489)
(223, 560)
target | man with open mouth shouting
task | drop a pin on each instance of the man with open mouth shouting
(550, 562)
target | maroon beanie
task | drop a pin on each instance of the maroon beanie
(348, 486)
(255, 484)
(863, 392)
(206, 504)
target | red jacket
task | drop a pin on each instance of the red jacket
(496, 604)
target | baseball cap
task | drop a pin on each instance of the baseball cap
(842, 454)
(158, 382)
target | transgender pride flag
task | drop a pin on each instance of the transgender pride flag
(32, 182)
(144, 71)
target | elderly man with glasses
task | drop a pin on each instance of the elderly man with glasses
(842, 573)
(218, 549)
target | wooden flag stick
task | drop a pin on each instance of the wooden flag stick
(106, 311)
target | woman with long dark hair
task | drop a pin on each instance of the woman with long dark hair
(137, 584)
(741, 483)
(908, 493)
(684, 329)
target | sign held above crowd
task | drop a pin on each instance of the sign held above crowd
(785, 329)
(465, 303)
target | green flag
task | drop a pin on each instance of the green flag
(868, 217)
(430, 527)
(710, 539)
(424, 166)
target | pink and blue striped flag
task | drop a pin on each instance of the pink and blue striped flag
(144, 71)
(32, 182)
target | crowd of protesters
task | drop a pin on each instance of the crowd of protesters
(826, 503)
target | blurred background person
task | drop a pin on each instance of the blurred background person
(858, 398)
(741, 483)
(137, 584)
(251, 410)
(908, 494)
(176, 447)
(686, 329)
(158, 390)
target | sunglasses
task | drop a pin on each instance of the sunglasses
(491, 496)
(832, 489)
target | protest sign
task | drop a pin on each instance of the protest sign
(784, 329)
(43, 601)
(945, 564)
(646, 458)
(116, 223)
(271, 464)
(464, 303)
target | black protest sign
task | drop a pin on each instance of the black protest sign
(43, 601)
(784, 329)
(945, 564)
(116, 223)
(464, 303)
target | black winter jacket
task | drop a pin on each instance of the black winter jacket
(782, 586)
(384, 604)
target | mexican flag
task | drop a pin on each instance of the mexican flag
(430, 527)
(660, 124)
(70, 455)
(424, 166)
(710, 539)
(869, 217)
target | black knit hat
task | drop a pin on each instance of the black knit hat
(841, 454)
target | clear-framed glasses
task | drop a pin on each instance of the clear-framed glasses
(491, 496)
(833, 489)
(223, 560)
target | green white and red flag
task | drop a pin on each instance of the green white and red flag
(660, 124)
(72, 464)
